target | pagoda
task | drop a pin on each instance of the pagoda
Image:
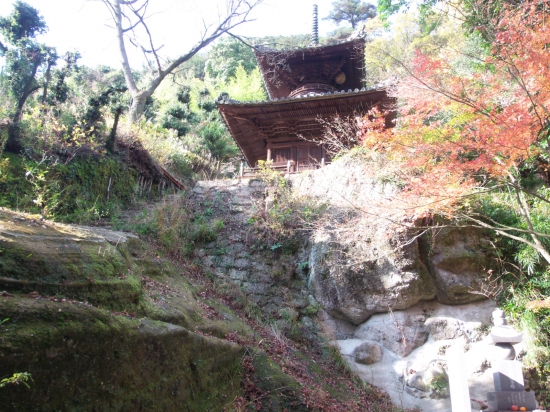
(304, 86)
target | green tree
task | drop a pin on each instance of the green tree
(246, 86)
(478, 16)
(214, 137)
(226, 56)
(389, 53)
(352, 11)
(26, 60)
(24, 22)
(56, 89)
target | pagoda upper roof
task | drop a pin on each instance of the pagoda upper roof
(287, 70)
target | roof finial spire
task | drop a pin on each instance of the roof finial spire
(315, 34)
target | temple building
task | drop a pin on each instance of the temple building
(304, 85)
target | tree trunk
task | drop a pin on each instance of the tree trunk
(111, 142)
(47, 77)
(4, 129)
(138, 105)
(237, 14)
(14, 144)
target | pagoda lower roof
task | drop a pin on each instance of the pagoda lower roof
(255, 124)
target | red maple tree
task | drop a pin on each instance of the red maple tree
(461, 133)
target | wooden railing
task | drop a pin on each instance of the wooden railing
(288, 168)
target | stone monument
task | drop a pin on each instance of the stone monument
(508, 376)
(458, 380)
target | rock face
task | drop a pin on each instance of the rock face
(88, 264)
(433, 381)
(414, 341)
(388, 270)
(397, 331)
(441, 328)
(457, 259)
(101, 323)
(366, 263)
(356, 290)
(82, 358)
(369, 267)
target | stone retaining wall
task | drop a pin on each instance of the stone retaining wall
(271, 280)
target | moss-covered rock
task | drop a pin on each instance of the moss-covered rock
(65, 289)
(86, 359)
(74, 262)
(282, 392)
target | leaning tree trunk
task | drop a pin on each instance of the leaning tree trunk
(111, 141)
(14, 142)
(4, 127)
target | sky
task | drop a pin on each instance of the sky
(85, 25)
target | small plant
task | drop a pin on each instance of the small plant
(16, 379)
(439, 384)
(279, 224)
(218, 225)
(303, 267)
(443, 350)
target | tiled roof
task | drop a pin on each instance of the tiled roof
(252, 124)
(311, 47)
(224, 99)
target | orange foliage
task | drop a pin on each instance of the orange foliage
(456, 130)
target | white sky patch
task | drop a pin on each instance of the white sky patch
(83, 25)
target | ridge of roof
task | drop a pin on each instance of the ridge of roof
(224, 99)
(310, 47)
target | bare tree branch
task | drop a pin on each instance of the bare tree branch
(238, 12)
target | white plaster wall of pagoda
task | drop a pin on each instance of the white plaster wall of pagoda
(393, 371)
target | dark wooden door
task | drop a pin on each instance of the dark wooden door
(281, 155)
(309, 157)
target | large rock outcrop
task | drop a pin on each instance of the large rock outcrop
(354, 279)
(364, 261)
(84, 358)
(458, 262)
(360, 261)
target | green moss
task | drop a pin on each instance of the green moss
(283, 392)
(84, 359)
